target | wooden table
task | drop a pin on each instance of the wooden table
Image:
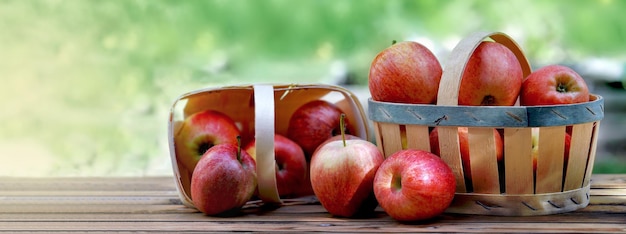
(152, 205)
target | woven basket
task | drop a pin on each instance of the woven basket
(510, 187)
(260, 111)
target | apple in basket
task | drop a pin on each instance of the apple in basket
(535, 149)
(291, 166)
(313, 123)
(464, 147)
(200, 132)
(224, 180)
(342, 176)
(412, 185)
(405, 72)
(492, 77)
(553, 85)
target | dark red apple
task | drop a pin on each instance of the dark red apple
(224, 180)
(291, 166)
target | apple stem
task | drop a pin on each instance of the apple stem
(342, 127)
(393, 42)
(238, 148)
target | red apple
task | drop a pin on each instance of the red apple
(464, 147)
(342, 176)
(313, 123)
(200, 132)
(224, 180)
(492, 77)
(553, 85)
(405, 72)
(535, 144)
(291, 166)
(413, 185)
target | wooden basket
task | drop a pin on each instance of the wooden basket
(260, 111)
(510, 187)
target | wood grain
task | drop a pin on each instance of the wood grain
(151, 204)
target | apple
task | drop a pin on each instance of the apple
(342, 176)
(291, 165)
(535, 145)
(313, 123)
(305, 188)
(464, 147)
(224, 180)
(492, 77)
(201, 131)
(553, 85)
(405, 72)
(413, 185)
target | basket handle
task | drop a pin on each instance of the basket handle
(264, 135)
(450, 83)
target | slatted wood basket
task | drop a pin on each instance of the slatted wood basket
(509, 187)
(259, 111)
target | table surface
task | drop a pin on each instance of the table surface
(151, 204)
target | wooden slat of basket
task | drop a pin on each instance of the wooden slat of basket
(450, 153)
(578, 155)
(551, 149)
(483, 160)
(417, 137)
(392, 140)
(520, 205)
(592, 152)
(378, 135)
(518, 165)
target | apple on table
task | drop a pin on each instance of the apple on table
(342, 175)
(291, 165)
(412, 185)
(224, 180)
(201, 131)
(405, 72)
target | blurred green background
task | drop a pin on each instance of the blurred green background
(86, 86)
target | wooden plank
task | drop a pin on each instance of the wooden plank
(483, 160)
(608, 181)
(307, 226)
(592, 152)
(450, 152)
(518, 166)
(392, 141)
(550, 159)
(313, 213)
(117, 206)
(578, 156)
(417, 137)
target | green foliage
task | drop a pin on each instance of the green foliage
(91, 82)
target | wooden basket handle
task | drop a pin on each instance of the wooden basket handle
(264, 135)
(448, 94)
